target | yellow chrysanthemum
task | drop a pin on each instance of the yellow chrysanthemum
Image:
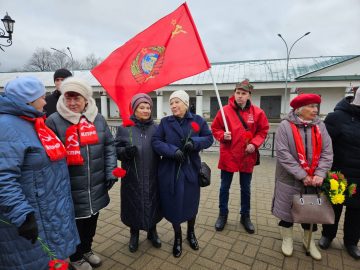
(338, 199)
(334, 185)
(342, 186)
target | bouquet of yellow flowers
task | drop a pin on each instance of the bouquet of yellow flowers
(336, 188)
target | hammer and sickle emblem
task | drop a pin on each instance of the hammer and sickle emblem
(178, 30)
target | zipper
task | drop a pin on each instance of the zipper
(89, 176)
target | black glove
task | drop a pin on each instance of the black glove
(179, 156)
(29, 228)
(130, 151)
(110, 183)
(189, 146)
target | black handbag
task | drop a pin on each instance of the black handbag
(204, 175)
(247, 129)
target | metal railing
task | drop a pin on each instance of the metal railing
(266, 149)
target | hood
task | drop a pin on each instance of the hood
(346, 106)
(293, 118)
(17, 108)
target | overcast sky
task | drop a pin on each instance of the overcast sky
(231, 30)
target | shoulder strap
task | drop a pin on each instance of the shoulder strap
(242, 120)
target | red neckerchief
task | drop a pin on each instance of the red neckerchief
(88, 135)
(316, 148)
(51, 143)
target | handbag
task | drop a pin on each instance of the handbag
(312, 209)
(247, 129)
(204, 175)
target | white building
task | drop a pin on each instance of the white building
(332, 77)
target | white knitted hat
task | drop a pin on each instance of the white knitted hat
(72, 84)
(182, 95)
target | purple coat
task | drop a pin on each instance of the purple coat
(289, 173)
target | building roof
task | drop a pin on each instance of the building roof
(268, 70)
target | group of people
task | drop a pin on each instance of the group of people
(55, 172)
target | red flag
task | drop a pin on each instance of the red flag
(167, 51)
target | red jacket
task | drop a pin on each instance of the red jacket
(233, 157)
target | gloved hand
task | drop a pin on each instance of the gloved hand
(189, 146)
(130, 151)
(110, 183)
(29, 228)
(179, 156)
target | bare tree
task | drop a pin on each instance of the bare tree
(41, 60)
(46, 60)
(91, 61)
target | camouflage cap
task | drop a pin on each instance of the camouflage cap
(244, 85)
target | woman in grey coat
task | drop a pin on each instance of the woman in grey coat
(91, 159)
(140, 206)
(299, 164)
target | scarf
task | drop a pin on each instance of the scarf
(316, 148)
(54, 148)
(88, 135)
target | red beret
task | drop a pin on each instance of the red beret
(305, 99)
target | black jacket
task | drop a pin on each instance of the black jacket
(51, 101)
(140, 204)
(343, 126)
(88, 181)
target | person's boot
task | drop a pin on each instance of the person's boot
(177, 248)
(313, 250)
(287, 245)
(134, 241)
(221, 222)
(353, 251)
(81, 265)
(153, 237)
(92, 258)
(324, 242)
(192, 239)
(246, 222)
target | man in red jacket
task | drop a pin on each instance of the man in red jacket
(248, 128)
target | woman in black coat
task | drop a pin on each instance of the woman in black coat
(179, 167)
(343, 126)
(140, 206)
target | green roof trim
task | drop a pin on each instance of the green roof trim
(329, 78)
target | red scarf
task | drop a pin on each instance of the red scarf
(88, 135)
(51, 143)
(316, 148)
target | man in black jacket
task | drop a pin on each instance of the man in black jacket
(52, 99)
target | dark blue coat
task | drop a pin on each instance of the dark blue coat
(30, 182)
(140, 203)
(180, 196)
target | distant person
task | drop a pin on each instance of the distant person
(35, 194)
(52, 99)
(248, 128)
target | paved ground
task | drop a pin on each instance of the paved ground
(232, 248)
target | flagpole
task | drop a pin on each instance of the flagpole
(219, 101)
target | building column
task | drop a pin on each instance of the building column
(199, 102)
(104, 107)
(159, 104)
(293, 94)
(348, 91)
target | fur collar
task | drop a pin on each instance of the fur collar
(90, 111)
